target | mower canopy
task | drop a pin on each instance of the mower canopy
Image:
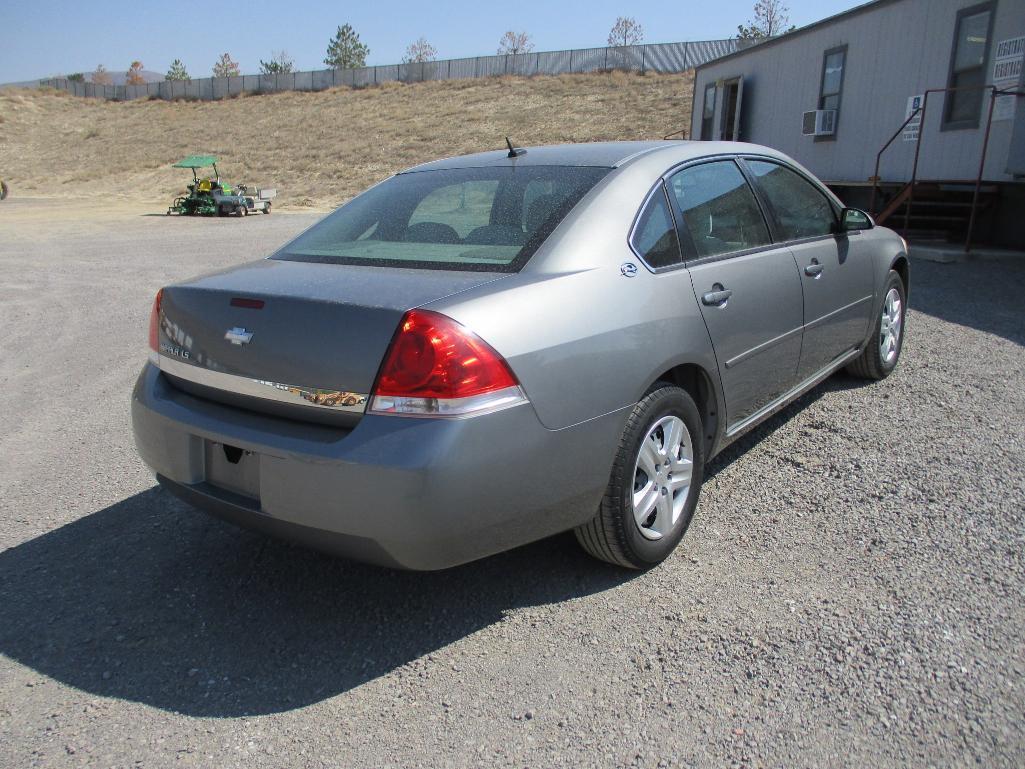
(196, 161)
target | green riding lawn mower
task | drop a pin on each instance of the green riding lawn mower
(212, 197)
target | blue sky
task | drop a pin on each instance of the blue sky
(39, 38)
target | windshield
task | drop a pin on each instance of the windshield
(491, 218)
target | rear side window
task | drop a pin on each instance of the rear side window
(800, 209)
(490, 218)
(654, 238)
(719, 209)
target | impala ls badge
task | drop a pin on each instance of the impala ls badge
(238, 336)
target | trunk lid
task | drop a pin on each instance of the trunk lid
(300, 339)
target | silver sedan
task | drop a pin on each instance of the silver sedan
(486, 350)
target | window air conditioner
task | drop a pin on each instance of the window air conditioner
(819, 122)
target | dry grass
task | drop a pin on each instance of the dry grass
(317, 148)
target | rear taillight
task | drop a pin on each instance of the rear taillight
(436, 367)
(154, 322)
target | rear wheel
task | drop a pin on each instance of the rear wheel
(883, 351)
(4, 190)
(266, 209)
(655, 483)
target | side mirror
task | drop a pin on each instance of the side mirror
(854, 219)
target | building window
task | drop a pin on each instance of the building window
(708, 113)
(833, 62)
(972, 34)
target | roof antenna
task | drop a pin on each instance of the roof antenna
(514, 152)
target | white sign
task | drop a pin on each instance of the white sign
(912, 129)
(1007, 66)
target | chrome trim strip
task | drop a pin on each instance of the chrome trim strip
(294, 395)
(794, 393)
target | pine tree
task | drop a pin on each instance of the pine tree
(177, 71)
(345, 51)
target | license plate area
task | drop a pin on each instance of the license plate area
(233, 469)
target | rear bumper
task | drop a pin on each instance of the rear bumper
(401, 492)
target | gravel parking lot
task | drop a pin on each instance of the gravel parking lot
(850, 593)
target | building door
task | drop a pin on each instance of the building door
(729, 123)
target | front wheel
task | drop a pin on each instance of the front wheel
(4, 190)
(880, 357)
(655, 483)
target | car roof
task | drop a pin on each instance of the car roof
(597, 154)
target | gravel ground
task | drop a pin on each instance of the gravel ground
(848, 595)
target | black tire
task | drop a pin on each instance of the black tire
(613, 535)
(241, 210)
(267, 209)
(871, 364)
(4, 190)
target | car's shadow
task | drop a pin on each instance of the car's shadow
(984, 295)
(150, 601)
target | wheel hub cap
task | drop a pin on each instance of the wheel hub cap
(890, 326)
(662, 475)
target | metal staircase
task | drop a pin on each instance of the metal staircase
(937, 211)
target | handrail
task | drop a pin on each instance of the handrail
(994, 93)
(879, 155)
(982, 160)
(918, 151)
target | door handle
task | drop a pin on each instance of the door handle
(718, 297)
(814, 269)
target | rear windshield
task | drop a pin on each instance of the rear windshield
(490, 219)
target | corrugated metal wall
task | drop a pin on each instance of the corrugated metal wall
(894, 50)
(658, 57)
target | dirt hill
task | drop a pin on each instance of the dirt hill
(318, 149)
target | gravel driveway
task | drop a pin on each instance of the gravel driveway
(850, 593)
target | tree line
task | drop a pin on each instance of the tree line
(345, 50)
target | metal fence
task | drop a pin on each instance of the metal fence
(658, 57)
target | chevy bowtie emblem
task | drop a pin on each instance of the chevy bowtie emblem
(238, 336)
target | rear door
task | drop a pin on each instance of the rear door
(836, 270)
(749, 290)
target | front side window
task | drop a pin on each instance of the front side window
(832, 81)
(654, 238)
(708, 113)
(490, 218)
(800, 209)
(719, 209)
(968, 67)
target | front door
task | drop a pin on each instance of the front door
(749, 290)
(836, 270)
(729, 122)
